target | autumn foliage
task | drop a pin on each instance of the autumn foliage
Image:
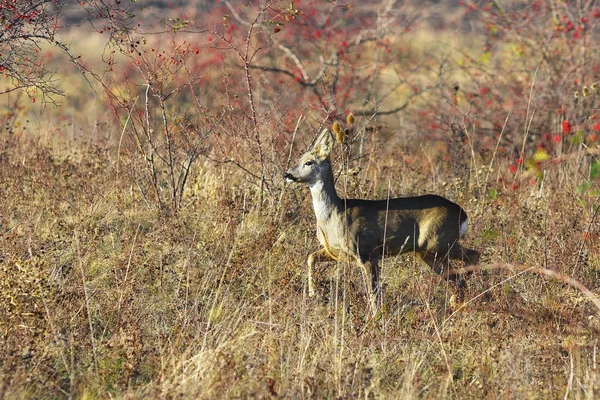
(149, 246)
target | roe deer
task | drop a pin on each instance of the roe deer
(367, 230)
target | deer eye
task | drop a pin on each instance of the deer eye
(309, 163)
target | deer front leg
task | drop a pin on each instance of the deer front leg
(318, 256)
(370, 270)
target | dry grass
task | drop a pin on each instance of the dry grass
(104, 296)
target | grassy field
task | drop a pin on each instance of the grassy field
(103, 295)
(108, 292)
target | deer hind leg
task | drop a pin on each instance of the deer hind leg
(318, 256)
(471, 257)
(435, 261)
(468, 256)
(370, 268)
(441, 265)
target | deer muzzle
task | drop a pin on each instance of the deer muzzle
(289, 177)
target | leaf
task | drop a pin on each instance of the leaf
(595, 170)
(540, 156)
(583, 187)
(577, 138)
(489, 235)
(485, 57)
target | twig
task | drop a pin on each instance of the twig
(87, 303)
(123, 133)
(137, 230)
(523, 268)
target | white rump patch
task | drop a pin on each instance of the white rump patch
(463, 228)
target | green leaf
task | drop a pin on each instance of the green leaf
(584, 187)
(485, 57)
(577, 138)
(492, 194)
(595, 170)
(489, 235)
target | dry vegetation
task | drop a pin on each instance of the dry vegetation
(118, 279)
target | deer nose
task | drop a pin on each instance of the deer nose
(289, 177)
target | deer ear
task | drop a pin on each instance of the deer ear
(324, 144)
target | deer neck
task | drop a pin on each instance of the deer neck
(326, 202)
